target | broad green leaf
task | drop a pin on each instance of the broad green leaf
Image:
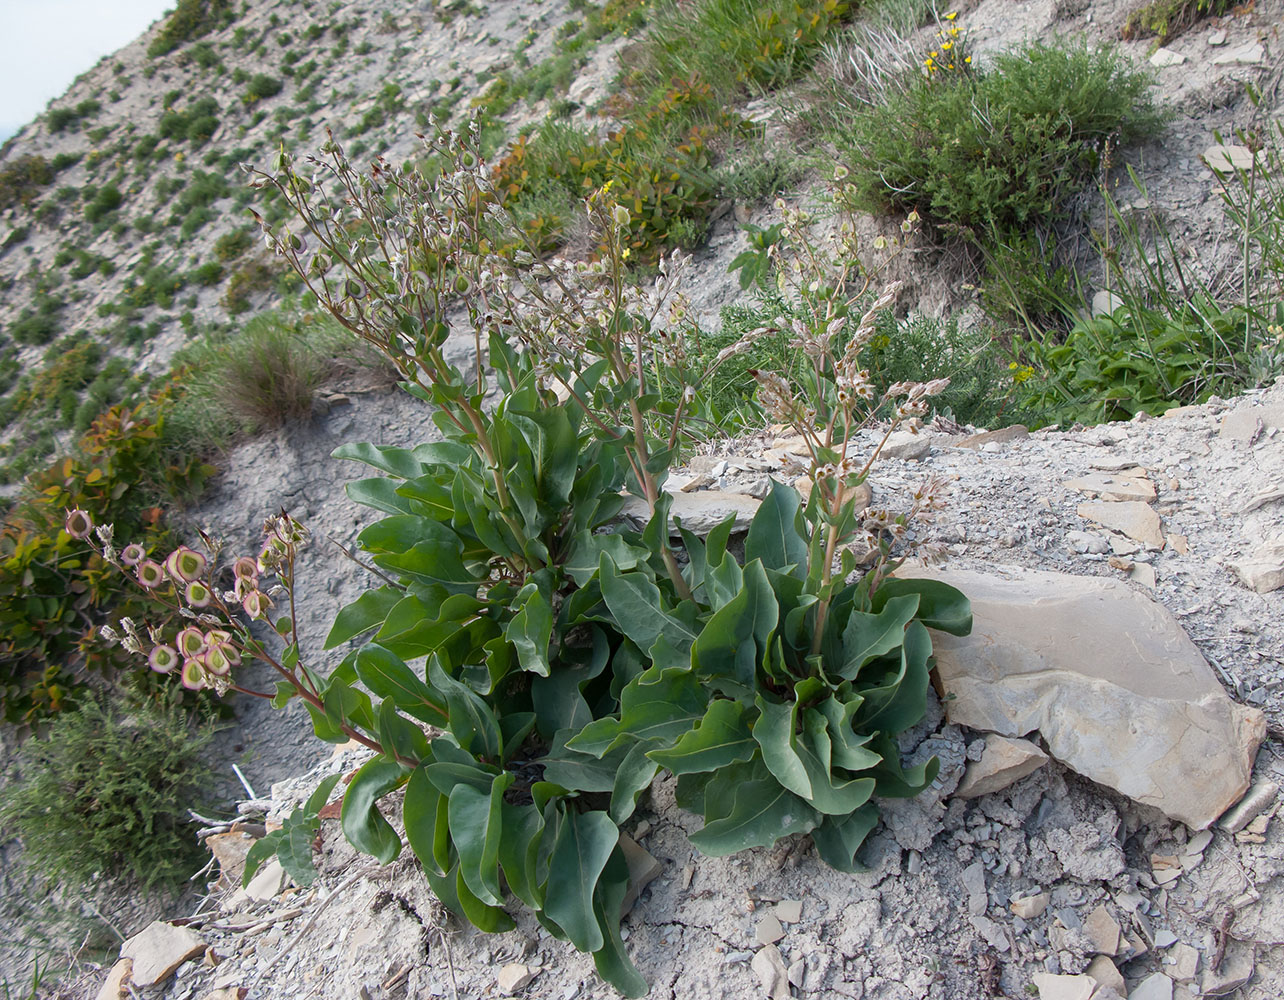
(363, 824)
(384, 673)
(940, 606)
(611, 960)
(733, 641)
(635, 603)
(344, 705)
(894, 781)
(394, 461)
(776, 535)
(631, 779)
(425, 814)
(763, 813)
(381, 494)
(262, 849)
(584, 845)
(585, 555)
(431, 495)
(721, 738)
(482, 915)
(900, 698)
(658, 704)
(400, 738)
(295, 852)
(531, 628)
(581, 772)
(471, 720)
(847, 748)
(558, 699)
(518, 849)
(838, 838)
(833, 796)
(476, 828)
(363, 614)
(868, 637)
(774, 732)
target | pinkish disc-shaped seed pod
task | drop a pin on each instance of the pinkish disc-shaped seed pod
(185, 564)
(193, 674)
(256, 604)
(163, 659)
(246, 568)
(79, 524)
(216, 660)
(197, 595)
(150, 574)
(133, 554)
(191, 642)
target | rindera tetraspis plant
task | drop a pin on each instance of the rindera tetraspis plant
(529, 661)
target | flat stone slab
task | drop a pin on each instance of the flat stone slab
(1109, 679)
(700, 511)
(158, 950)
(1002, 763)
(1133, 518)
(1242, 423)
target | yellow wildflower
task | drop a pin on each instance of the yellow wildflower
(951, 15)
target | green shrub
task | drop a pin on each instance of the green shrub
(230, 246)
(261, 87)
(1166, 19)
(105, 201)
(997, 151)
(107, 790)
(190, 19)
(22, 179)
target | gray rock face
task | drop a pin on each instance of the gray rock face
(1116, 688)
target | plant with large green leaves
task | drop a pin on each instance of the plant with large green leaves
(529, 661)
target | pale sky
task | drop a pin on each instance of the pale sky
(45, 44)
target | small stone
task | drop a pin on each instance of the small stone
(1199, 843)
(1113, 487)
(1004, 435)
(1236, 970)
(643, 869)
(1064, 987)
(1004, 762)
(114, 988)
(1252, 805)
(158, 950)
(789, 911)
(797, 973)
(1105, 972)
(514, 977)
(1029, 907)
(770, 969)
(973, 879)
(1153, 987)
(1104, 303)
(1258, 826)
(1262, 570)
(1134, 518)
(1179, 544)
(1166, 57)
(1185, 963)
(1165, 938)
(1103, 931)
(1086, 542)
(1122, 546)
(906, 446)
(1241, 55)
(229, 850)
(769, 930)
(1217, 38)
(267, 881)
(1144, 574)
(1167, 875)
(1246, 422)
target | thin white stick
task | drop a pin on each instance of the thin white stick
(244, 783)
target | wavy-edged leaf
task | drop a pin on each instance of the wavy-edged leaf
(611, 960)
(636, 605)
(558, 699)
(519, 849)
(531, 628)
(262, 849)
(381, 494)
(847, 748)
(940, 606)
(584, 845)
(776, 533)
(395, 461)
(733, 641)
(659, 704)
(482, 915)
(762, 813)
(830, 794)
(363, 824)
(722, 737)
(581, 772)
(585, 555)
(632, 778)
(838, 838)
(431, 495)
(399, 737)
(774, 732)
(869, 636)
(898, 700)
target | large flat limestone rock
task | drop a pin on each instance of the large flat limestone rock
(1107, 676)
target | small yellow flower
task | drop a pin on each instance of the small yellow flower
(951, 15)
(947, 46)
(967, 59)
